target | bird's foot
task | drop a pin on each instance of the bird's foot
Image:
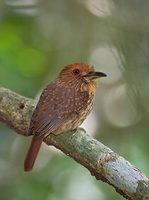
(78, 129)
(81, 129)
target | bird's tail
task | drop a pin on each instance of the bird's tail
(32, 152)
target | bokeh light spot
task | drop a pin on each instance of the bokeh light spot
(119, 109)
(106, 58)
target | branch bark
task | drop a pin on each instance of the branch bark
(102, 162)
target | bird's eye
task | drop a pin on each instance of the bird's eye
(76, 71)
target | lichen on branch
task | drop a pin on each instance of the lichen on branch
(102, 162)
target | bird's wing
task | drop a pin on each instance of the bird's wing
(49, 113)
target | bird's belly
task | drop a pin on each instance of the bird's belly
(75, 121)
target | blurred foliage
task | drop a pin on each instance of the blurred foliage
(38, 38)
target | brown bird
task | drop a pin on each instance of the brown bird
(63, 106)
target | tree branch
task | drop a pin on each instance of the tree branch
(102, 162)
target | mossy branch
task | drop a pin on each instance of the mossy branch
(102, 162)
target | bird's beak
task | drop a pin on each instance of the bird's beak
(95, 75)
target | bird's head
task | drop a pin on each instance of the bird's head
(80, 72)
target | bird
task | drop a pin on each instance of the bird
(63, 105)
